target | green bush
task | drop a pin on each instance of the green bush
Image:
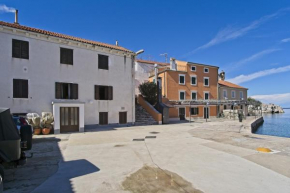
(254, 102)
(149, 91)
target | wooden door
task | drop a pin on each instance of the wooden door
(103, 118)
(122, 117)
(69, 119)
(206, 112)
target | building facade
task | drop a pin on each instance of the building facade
(143, 68)
(235, 94)
(187, 87)
(82, 82)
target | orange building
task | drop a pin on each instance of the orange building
(186, 87)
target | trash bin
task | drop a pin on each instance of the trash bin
(240, 117)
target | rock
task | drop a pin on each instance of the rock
(272, 108)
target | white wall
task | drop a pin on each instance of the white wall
(142, 72)
(44, 69)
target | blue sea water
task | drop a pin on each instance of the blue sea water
(276, 124)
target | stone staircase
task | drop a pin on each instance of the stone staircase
(143, 117)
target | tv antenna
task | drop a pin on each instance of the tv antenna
(165, 55)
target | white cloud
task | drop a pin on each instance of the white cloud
(285, 40)
(279, 99)
(245, 78)
(5, 9)
(230, 33)
(255, 56)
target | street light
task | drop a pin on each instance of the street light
(139, 52)
(207, 103)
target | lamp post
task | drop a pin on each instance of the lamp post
(207, 103)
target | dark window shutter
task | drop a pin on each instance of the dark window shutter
(61, 55)
(25, 50)
(70, 56)
(16, 88)
(66, 56)
(103, 62)
(74, 91)
(97, 92)
(58, 90)
(16, 48)
(24, 89)
(110, 93)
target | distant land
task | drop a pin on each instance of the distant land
(287, 108)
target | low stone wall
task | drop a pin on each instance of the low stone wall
(256, 124)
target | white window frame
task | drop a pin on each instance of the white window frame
(184, 95)
(179, 79)
(194, 91)
(204, 81)
(225, 91)
(206, 92)
(193, 70)
(241, 93)
(233, 94)
(205, 71)
(194, 107)
(195, 80)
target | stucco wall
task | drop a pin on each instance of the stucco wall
(43, 69)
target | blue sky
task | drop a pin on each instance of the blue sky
(249, 40)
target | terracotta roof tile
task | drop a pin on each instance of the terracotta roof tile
(152, 62)
(229, 84)
(21, 27)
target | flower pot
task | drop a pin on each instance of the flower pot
(37, 131)
(45, 131)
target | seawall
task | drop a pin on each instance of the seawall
(256, 124)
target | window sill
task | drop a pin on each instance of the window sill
(67, 64)
(181, 83)
(21, 58)
(193, 84)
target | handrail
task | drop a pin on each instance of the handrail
(150, 109)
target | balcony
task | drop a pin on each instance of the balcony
(161, 69)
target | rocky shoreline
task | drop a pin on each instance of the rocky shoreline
(272, 108)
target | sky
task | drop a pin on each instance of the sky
(249, 40)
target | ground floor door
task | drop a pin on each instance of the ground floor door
(182, 113)
(206, 112)
(122, 117)
(69, 119)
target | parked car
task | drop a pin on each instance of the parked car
(20, 121)
(13, 143)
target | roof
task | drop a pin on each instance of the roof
(194, 63)
(152, 62)
(40, 31)
(229, 84)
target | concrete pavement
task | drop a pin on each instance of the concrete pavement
(101, 161)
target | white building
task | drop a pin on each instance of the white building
(82, 82)
(143, 69)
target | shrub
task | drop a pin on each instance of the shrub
(149, 91)
(254, 102)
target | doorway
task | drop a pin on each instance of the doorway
(69, 119)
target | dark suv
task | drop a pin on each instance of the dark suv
(13, 143)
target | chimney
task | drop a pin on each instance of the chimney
(222, 75)
(117, 43)
(16, 17)
(172, 64)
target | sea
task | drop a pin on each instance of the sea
(276, 124)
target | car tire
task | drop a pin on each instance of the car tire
(1, 178)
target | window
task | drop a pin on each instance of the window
(193, 95)
(122, 117)
(103, 62)
(225, 107)
(193, 80)
(241, 94)
(66, 56)
(103, 118)
(225, 94)
(20, 88)
(20, 49)
(194, 111)
(181, 95)
(206, 70)
(103, 92)
(181, 79)
(233, 94)
(206, 81)
(66, 90)
(193, 68)
(206, 96)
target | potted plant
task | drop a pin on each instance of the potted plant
(36, 130)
